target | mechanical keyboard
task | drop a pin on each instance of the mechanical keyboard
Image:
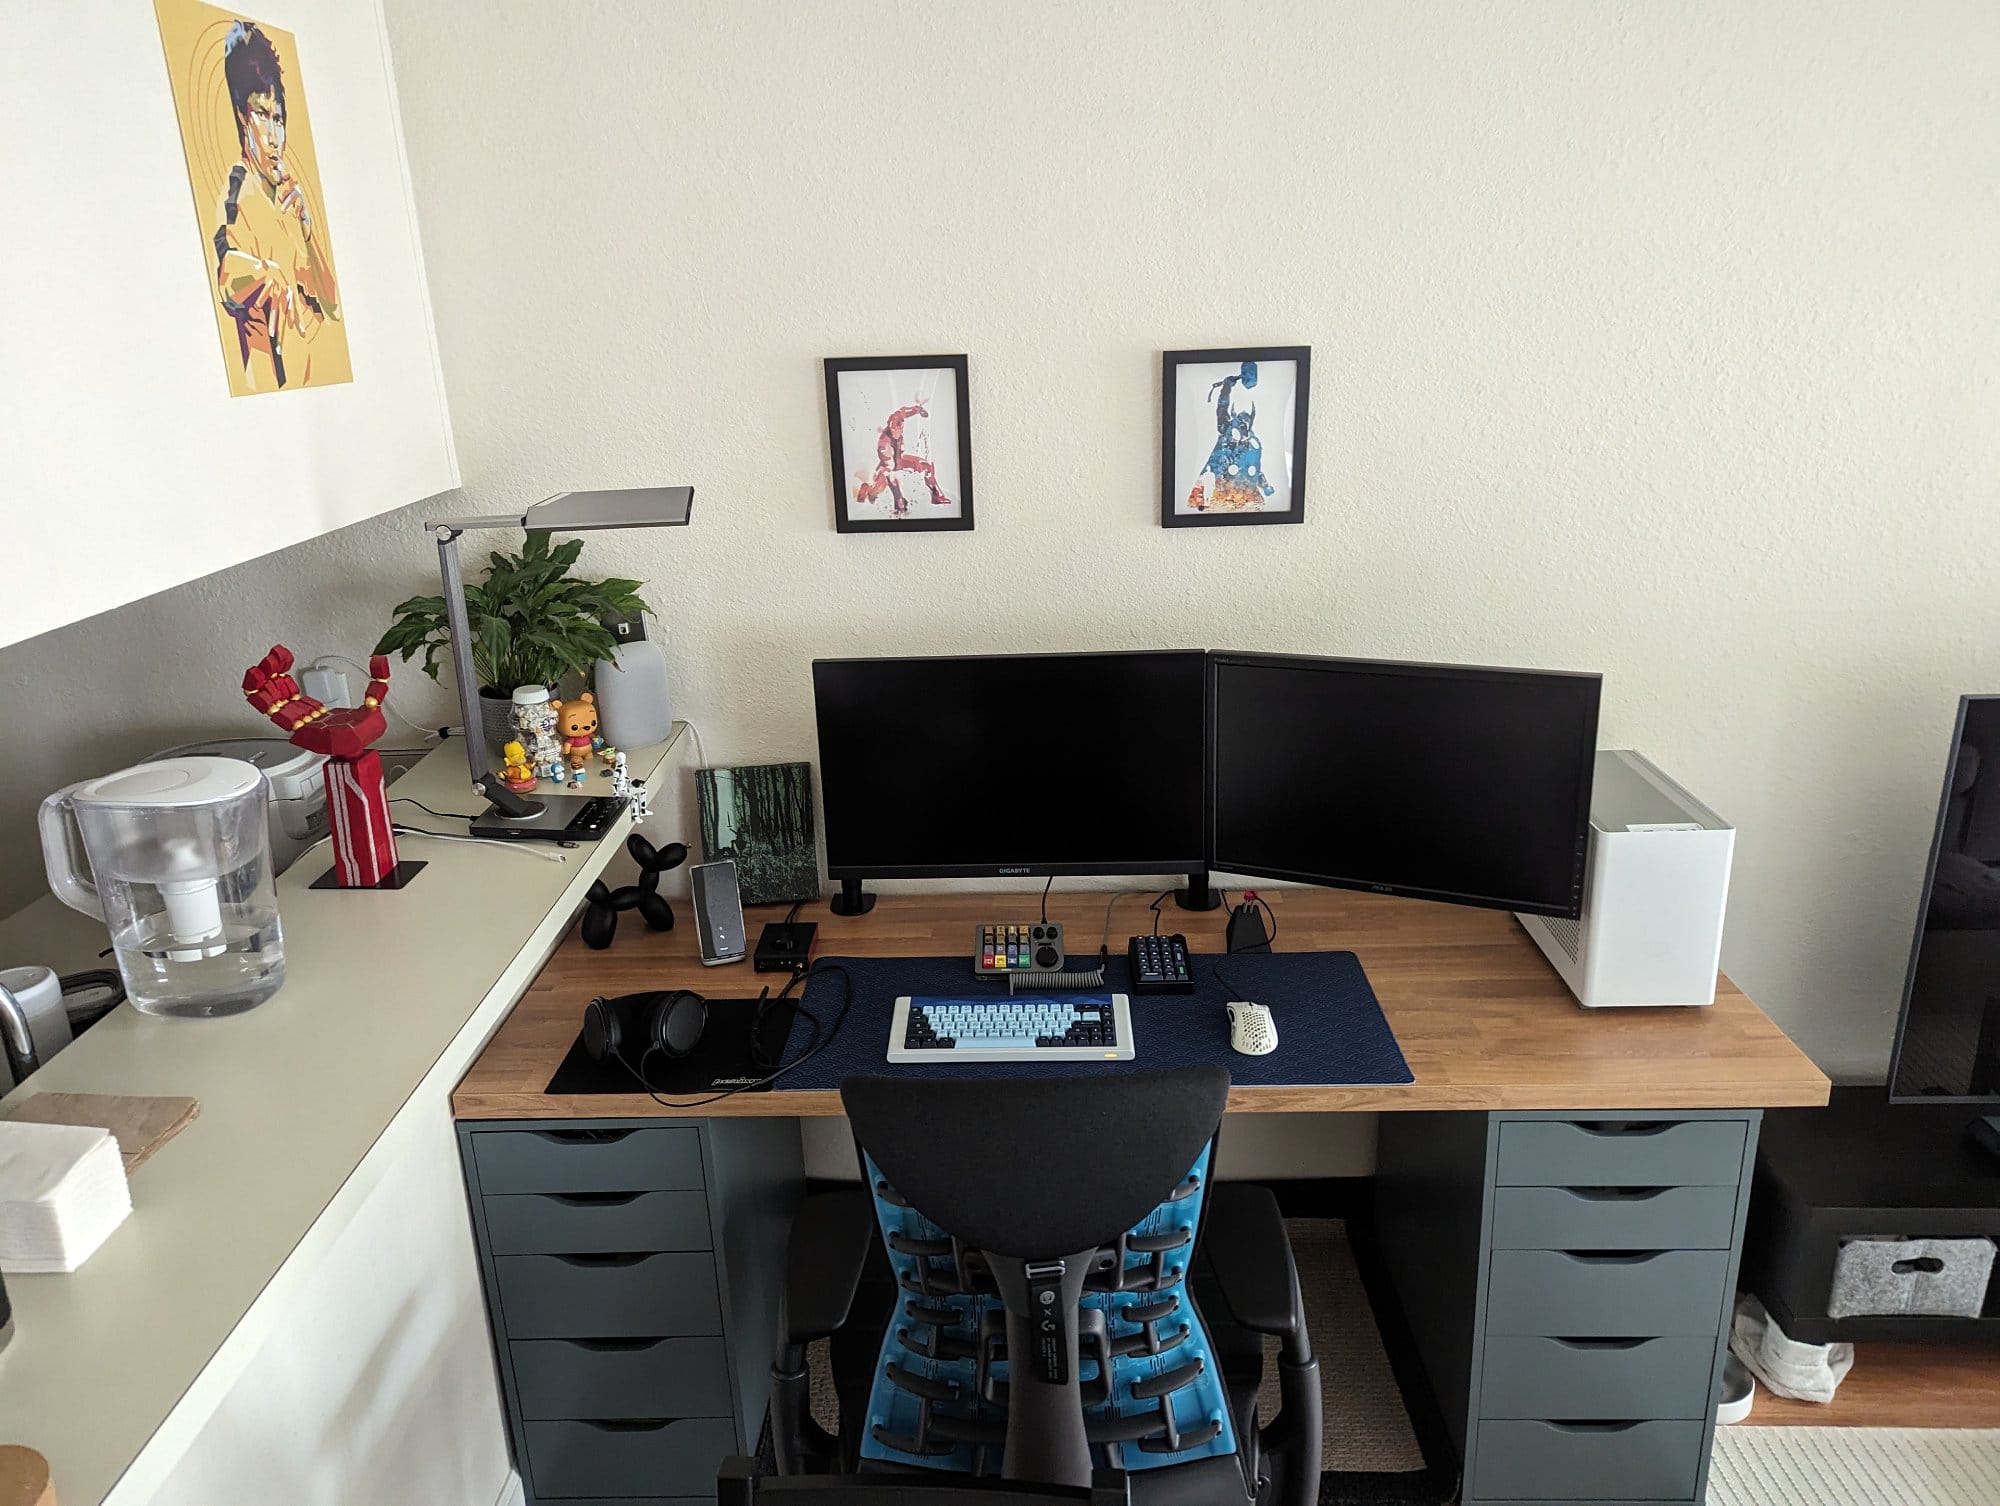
(1073, 1028)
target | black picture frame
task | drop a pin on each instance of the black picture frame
(843, 465)
(1172, 493)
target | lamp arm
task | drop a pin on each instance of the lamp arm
(460, 626)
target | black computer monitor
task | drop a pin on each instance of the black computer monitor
(1433, 780)
(1023, 764)
(1948, 1037)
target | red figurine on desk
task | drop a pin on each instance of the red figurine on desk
(357, 805)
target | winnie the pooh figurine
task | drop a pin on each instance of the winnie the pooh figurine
(576, 724)
(515, 773)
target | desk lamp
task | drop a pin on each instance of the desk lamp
(543, 817)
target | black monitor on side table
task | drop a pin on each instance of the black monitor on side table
(1011, 765)
(1437, 781)
(1948, 1036)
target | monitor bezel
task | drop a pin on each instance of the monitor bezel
(1092, 868)
(1219, 862)
(1965, 705)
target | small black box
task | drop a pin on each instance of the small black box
(784, 946)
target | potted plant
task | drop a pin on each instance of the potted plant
(532, 624)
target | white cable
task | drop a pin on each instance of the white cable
(430, 734)
(701, 756)
(532, 849)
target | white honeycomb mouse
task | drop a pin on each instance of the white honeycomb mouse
(1251, 1031)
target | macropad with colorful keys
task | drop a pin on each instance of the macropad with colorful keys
(1035, 946)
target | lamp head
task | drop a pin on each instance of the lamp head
(621, 507)
(582, 512)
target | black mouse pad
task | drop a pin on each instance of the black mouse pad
(721, 1060)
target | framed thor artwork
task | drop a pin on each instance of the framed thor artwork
(1233, 435)
(900, 429)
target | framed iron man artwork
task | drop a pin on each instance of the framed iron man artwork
(900, 431)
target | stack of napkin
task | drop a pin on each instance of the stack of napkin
(62, 1192)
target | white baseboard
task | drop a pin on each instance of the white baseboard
(513, 1493)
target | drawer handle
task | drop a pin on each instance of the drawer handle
(630, 1424)
(593, 1199)
(1611, 1257)
(601, 1260)
(585, 1136)
(614, 1346)
(1616, 1194)
(1601, 1345)
(1592, 1429)
(1626, 1128)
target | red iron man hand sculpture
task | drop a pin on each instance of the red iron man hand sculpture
(357, 805)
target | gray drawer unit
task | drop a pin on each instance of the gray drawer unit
(587, 1159)
(1613, 1218)
(668, 1295)
(1566, 1295)
(1567, 1279)
(1587, 1461)
(631, 1270)
(1620, 1153)
(672, 1457)
(597, 1223)
(1598, 1380)
(565, 1379)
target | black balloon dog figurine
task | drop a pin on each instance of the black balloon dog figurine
(600, 917)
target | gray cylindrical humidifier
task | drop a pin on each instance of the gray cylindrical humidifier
(632, 689)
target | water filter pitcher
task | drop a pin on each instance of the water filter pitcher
(177, 862)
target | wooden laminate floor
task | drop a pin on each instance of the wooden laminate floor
(1901, 1386)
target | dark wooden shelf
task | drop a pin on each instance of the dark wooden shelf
(1860, 1166)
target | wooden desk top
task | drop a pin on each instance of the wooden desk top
(1481, 1016)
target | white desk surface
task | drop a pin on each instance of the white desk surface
(115, 1366)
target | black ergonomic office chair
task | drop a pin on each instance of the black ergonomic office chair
(1070, 1300)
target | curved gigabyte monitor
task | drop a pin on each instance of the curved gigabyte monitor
(1439, 781)
(1948, 1039)
(997, 765)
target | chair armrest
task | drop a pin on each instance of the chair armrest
(1244, 1237)
(824, 1258)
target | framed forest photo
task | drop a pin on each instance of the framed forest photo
(1233, 435)
(761, 816)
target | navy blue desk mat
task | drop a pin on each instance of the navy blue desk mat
(1331, 1032)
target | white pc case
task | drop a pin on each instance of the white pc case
(1655, 884)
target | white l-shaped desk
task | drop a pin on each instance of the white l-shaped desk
(116, 1368)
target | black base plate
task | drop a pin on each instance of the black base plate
(560, 818)
(405, 871)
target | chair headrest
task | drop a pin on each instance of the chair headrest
(1037, 1168)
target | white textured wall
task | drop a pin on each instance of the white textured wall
(1652, 338)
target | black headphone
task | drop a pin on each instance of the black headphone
(633, 1026)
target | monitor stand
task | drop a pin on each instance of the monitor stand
(1985, 1134)
(1197, 895)
(852, 899)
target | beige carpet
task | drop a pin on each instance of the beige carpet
(1854, 1467)
(1367, 1430)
